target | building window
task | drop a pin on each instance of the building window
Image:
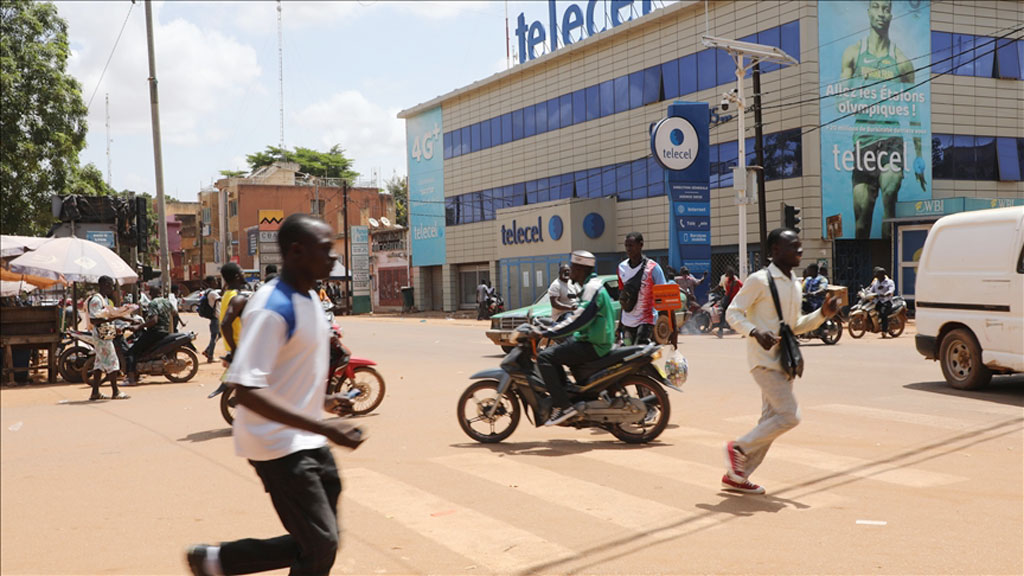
(965, 157)
(554, 115)
(980, 56)
(636, 89)
(474, 137)
(233, 208)
(316, 207)
(579, 106)
(529, 121)
(705, 70)
(1007, 158)
(517, 124)
(621, 97)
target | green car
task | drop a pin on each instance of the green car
(504, 323)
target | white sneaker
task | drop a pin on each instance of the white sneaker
(560, 415)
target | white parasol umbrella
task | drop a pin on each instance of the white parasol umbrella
(11, 245)
(8, 288)
(74, 260)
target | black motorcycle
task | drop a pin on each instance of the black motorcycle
(830, 331)
(173, 357)
(622, 393)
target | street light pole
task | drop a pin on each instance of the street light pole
(158, 164)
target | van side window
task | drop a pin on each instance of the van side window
(1020, 261)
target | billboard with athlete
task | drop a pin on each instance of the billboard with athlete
(875, 110)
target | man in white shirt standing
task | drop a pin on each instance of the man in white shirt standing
(637, 277)
(280, 374)
(562, 293)
(753, 313)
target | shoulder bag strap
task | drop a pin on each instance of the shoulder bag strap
(775, 295)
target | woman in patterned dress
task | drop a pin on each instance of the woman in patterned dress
(101, 311)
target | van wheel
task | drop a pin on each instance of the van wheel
(960, 356)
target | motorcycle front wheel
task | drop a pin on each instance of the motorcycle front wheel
(370, 386)
(191, 366)
(702, 321)
(484, 415)
(228, 402)
(857, 326)
(658, 409)
(71, 361)
(831, 331)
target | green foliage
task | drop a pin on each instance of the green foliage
(88, 181)
(233, 173)
(330, 164)
(398, 187)
(42, 115)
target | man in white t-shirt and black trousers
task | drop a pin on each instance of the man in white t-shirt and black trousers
(563, 293)
(279, 372)
(637, 277)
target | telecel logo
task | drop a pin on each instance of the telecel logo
(674, 143)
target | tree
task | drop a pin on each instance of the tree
(398, 187)
(88, 181)
(330, 164)
(233, 173)
(42, 115)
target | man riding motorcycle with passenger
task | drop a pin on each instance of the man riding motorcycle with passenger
(592, 326)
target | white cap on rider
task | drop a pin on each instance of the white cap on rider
(583, 258)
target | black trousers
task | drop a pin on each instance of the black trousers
(481, 310)
(142, 345)
(884, 310)
(304, 488)
(551, 360)
(214, 334)
(638, 335)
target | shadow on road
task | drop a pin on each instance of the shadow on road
(206, 435)
(1002, 390)
(740, 505)
(557, 447)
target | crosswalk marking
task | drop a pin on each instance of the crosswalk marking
(501, 547)
(893, 416)
(821, 460)
(608, 504)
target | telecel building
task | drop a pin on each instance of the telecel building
(891, 115)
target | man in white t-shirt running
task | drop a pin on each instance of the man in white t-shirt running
(279, 372)
(636, 294)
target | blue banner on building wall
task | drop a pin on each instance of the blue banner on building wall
(681, 145)
(426, 188)
(876, 121)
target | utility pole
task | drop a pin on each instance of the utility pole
(109, 178)
(158, 163)
(345, 228)
(280, 67)
(759, 158)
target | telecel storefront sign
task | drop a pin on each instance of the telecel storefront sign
(557, 227)
(426, 188)
(575, 23)
(680, 144)
(514, 234)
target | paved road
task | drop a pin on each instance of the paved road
(891, 472)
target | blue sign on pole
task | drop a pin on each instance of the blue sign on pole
(100, 237)
(680, 143)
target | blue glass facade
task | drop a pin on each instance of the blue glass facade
(672, 79)
(632, 180)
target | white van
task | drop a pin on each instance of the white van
(970, 296)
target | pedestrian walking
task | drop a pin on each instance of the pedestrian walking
(106, 365)
(637, 277)
(755, 313)
(279, 374)
(207, 308)
(483, 293)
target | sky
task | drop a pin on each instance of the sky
(349, 68)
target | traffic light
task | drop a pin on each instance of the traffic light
(790, 218)
(142, 223)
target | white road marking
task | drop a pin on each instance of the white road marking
(608, 504)
(930, 420)
(821, 460)
(501, 547)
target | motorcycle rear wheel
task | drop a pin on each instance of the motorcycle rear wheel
(474, 405)
(831, 331)
(857, 326)
(371, 388)
(702, 320)
(192, 366)
(71, 361)
(654, 424)
(228, 402)
(896, 325)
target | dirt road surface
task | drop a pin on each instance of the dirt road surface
(891, 472)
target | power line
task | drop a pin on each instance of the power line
(125, 23)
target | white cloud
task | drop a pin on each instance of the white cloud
(200, 71)
(370, 134)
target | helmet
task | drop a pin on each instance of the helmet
(676, 369)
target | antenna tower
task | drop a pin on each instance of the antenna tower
(109, 178)
(280, 67)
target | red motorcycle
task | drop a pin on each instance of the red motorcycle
(355, 380)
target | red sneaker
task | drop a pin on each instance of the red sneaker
(735, 460)
(746, 487)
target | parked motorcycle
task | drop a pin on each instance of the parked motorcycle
(864, 316)
(354, 378)
(495, 304)
(173, 357)
(622, 393)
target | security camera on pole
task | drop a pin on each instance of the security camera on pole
(736, 98)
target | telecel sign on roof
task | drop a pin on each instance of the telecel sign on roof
(575, 21)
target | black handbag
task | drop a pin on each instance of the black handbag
(631, 289)
(789, 348)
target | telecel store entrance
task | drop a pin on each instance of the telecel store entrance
(533, 241)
